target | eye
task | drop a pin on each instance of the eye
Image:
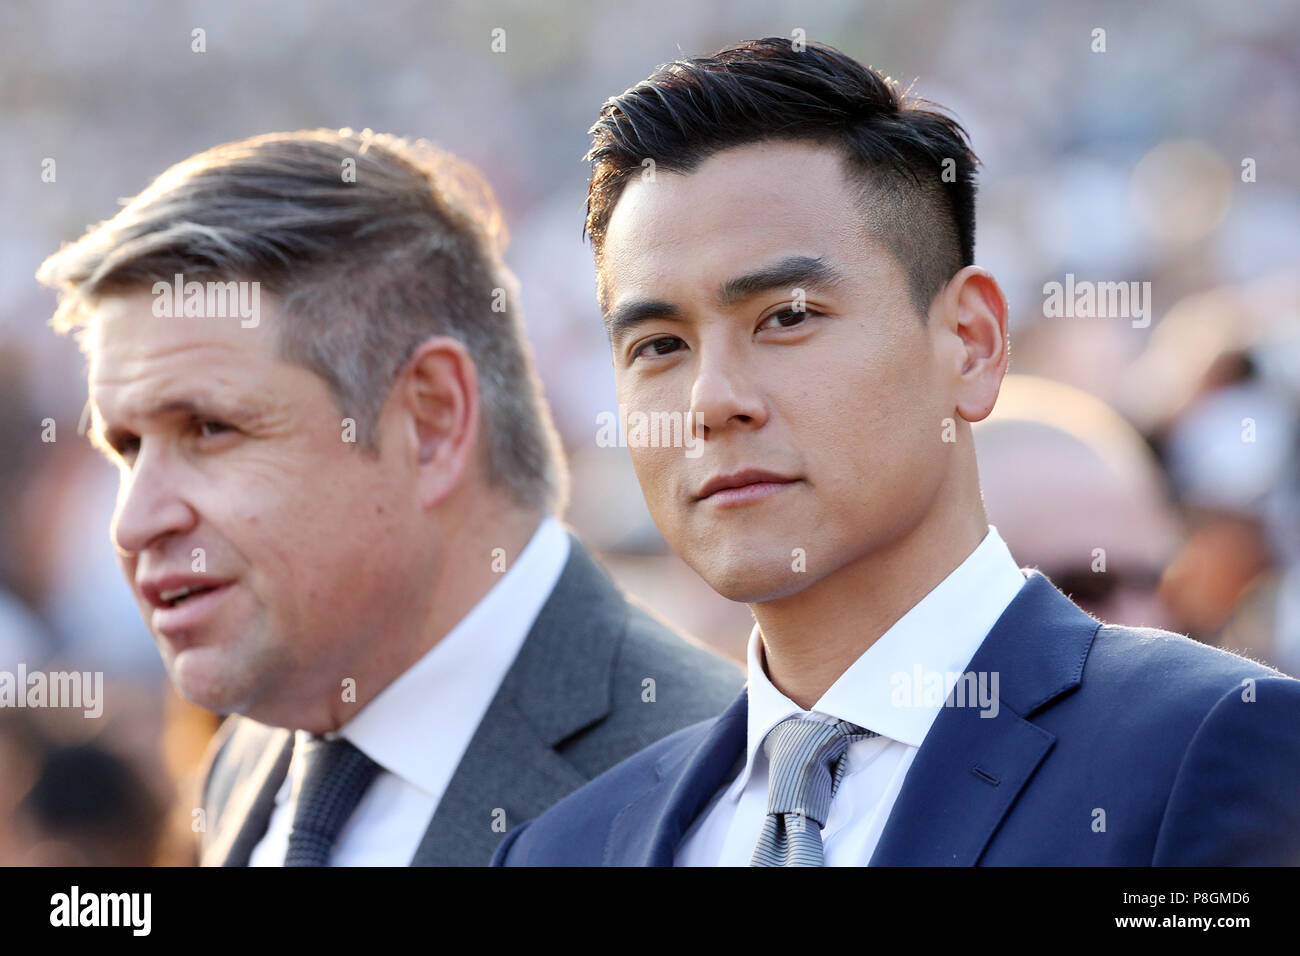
(124, 445)
(210, 427)
(786, 318)
(663, 345)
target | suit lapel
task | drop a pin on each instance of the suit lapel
(247, 812)
(507, 769)
(963, 781)
(559, 684)
(970, 769)
(688, 777)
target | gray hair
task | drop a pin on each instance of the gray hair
(371, 244)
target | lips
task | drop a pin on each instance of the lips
(755, 478)
(171, 597)
(180, 621)
(174, 590)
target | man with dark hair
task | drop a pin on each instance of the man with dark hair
(784, 247)
(912, 172)
(339, 502)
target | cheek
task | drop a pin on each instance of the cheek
(297, 520)
(653, 466)
(657, 473)
(276, 511)
(872, 429)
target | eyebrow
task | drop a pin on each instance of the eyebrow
(203, 407)
(626, 317)
(791, 272)
(788, 273)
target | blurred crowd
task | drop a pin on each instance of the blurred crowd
(1153, 472)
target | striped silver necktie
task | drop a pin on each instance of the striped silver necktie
(805, 763)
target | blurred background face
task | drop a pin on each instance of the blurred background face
(226, 451)
(1100, 539)
(840, 404)
(1074, 491)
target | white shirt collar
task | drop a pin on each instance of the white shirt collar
(419, 726)
(938, 636)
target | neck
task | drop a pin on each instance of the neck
(464, 569)
(812, 637)
(470, 564)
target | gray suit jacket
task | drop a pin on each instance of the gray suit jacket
(570, 707)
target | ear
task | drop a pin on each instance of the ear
(437, 395)
(974, 311)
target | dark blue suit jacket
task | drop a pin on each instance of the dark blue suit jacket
(1192, 753)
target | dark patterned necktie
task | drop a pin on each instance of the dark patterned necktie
(805, 764)
(336, 776)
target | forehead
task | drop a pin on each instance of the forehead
(134, 354)
(740, 205)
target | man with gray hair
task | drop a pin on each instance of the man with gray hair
(338, 500)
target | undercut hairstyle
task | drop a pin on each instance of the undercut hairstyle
(912, 163)
(370, 244)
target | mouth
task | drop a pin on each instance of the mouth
(181, 609)
(176, 590)
(178, 596)
(744, 487)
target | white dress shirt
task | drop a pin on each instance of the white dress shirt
(893, 689)
(418, 727)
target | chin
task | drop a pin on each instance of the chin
(751, 583)
(204, 684)
(216, 702)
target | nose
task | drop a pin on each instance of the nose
(149, 502)
(724, 394)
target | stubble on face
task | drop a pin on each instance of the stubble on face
(273, 498)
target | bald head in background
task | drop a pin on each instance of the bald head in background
(1063, 475)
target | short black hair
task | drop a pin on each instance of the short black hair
(914, 163)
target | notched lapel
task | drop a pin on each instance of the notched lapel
(968, 772)
(970, 768)
(506, 768)
(558, 685)
(646, 832)
(247, 812)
